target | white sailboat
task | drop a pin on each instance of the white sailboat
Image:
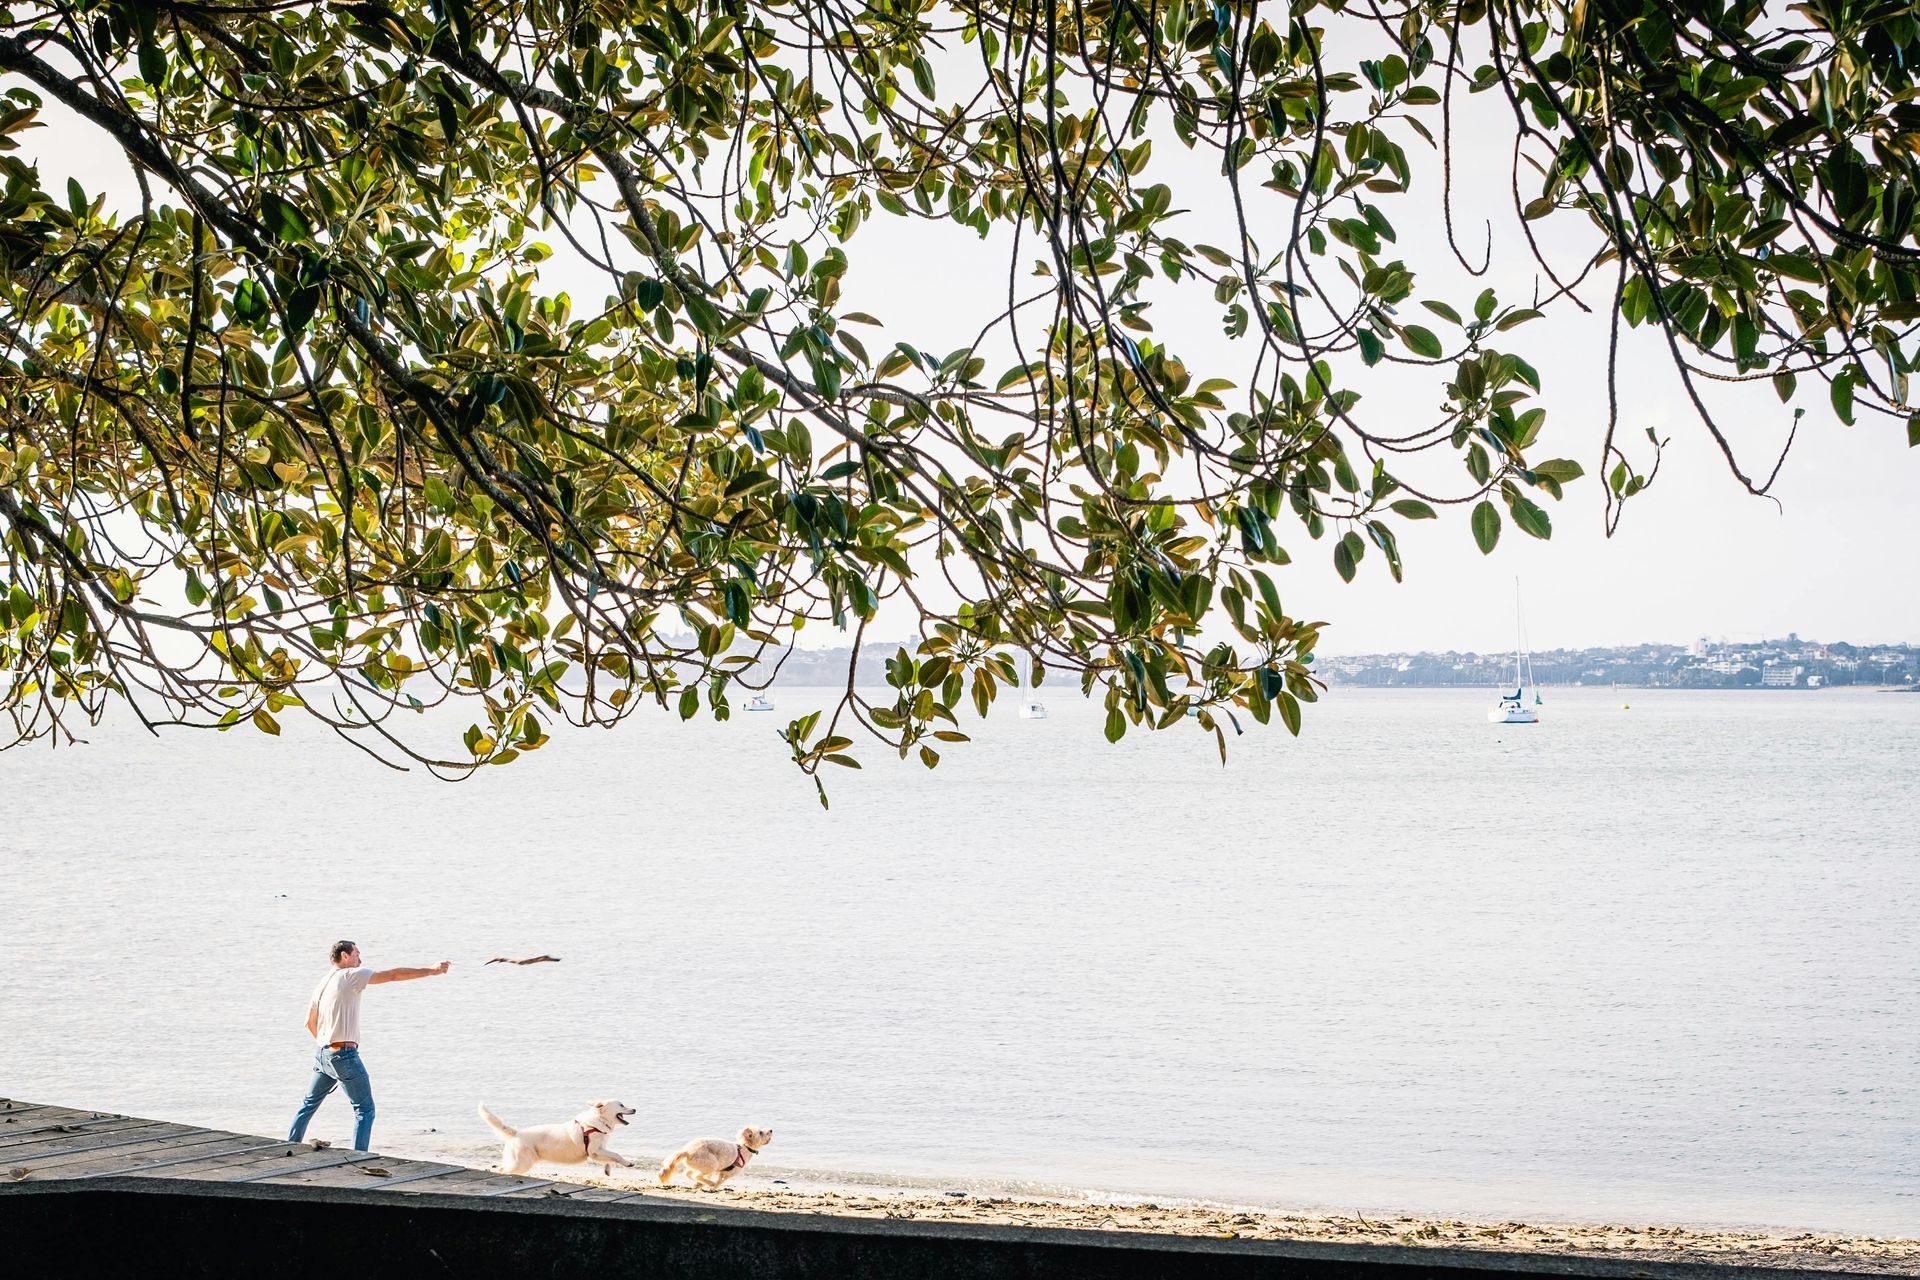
(1518, 707)
(759, 702)
(1031, 708)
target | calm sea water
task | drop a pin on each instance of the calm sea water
(1655, 963)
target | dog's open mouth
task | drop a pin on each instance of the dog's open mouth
(621, 1116)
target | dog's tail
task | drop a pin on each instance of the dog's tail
(494, 1123)
(672, 1166)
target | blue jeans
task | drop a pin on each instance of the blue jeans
(338, 1067)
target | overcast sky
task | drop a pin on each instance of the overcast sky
(1695, 556)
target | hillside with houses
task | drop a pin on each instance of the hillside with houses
(1791, 663)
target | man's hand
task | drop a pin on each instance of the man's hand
(443, 966)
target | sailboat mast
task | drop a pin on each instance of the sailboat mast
(1518, 633)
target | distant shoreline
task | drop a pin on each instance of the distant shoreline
(1644, 688)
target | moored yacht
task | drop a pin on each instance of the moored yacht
(1518, 707)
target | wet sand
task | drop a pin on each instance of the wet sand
(1810, 1250)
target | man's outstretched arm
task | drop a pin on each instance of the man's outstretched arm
(405, 975)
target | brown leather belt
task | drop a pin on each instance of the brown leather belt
(345, 1044)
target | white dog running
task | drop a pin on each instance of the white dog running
(711, 1161)
(581, 1140)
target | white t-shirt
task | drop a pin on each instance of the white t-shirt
(338, 1000)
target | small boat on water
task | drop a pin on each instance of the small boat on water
(1517, 707)
(759, 702)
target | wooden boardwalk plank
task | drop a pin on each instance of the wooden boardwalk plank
(224, 1167)
(96, 1140)
(585, 1191)
(19, 1110)
(333, 1161)
(264, 1164)
(39, 1117)
(360, 1176)
(421, 1175)
(53, 1118)
(167, 1158)
(104, 1131)
(519, 1185)
(88, 1163)
(473, 1182)
(33, 1132)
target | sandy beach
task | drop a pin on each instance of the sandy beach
(1810, 1250)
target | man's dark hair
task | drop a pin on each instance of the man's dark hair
(341, 948)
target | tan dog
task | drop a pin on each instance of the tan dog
(581, 1140)
(711, 1161)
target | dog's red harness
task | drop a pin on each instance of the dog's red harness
(586, 1143)
(740, 1160)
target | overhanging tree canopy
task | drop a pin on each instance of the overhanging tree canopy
(296, 418)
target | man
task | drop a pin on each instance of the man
(333, 1020)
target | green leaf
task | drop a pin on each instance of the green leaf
(1421, 341)
(1842, 395)
(251, 305)
(1530, 518)
(282, 219)
(1289, 712)
(1913, 432)
(301, 303)
(826, 375)
(1486, 526)
(1563, 470)
(705, 317)
(1269, 595)
(1412, 509)
(153, 61)
(1347, 553)
(923, 77)
(738, 605)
